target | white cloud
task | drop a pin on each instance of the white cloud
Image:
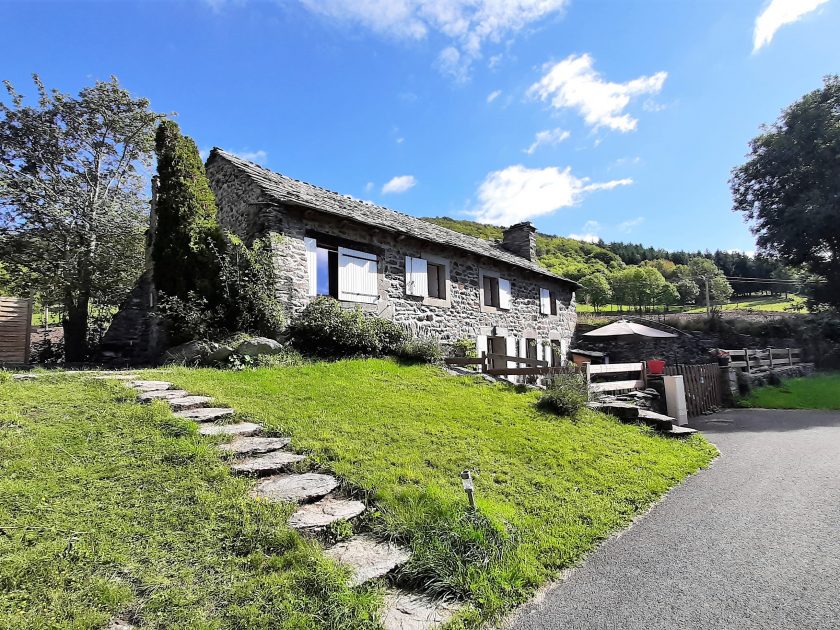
(399, 184)
(468, 24)
(516, 193)
(591, 226)
(548, 137)
(627, 226)
(493, 96)
(574, 83)
(259, 156)
(400, 140)
(586, 238)
(368, 187)
(777, 14)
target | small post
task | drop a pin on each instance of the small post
(467, 482)
(484, 365)
(790, 357)
(770, 356)
(747, 359)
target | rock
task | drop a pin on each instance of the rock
(409, 611)
(369, 558)
(119, 624)
(188, 402)
(191, 353)
(254, 445)
(25, 377)
(163, 394)
(220, 354)
(322, 513)
(242, 428)
(300, 488)
(116, 377)
(206, 414)
(151, 386)
(276, 461)
(258, 345)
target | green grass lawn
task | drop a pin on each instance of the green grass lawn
(548, 488)
(763, 303)
(821, 391)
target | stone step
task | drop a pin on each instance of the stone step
(187, 402)
(658, 421)
(206, 414)
(621, 410)
(151, 386)
(680, 432)
(275, 462)
(254, 445)
(245, 429)
(411, 611)
(301, 488)
(116, 377)
(162, 394)
(320, 514)
(25, 377)
(368, 557)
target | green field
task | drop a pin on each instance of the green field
(821, 391)
(110, 507)
(768, 303)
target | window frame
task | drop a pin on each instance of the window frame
(333, 247)
(495, 286)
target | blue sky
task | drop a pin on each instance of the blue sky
(617, 119)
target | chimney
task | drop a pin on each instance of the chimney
(521, 239)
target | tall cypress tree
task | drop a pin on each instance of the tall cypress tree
(187, 226)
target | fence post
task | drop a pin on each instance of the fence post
(770, 356)
(747, 359)
(586, 367)
(790, 357)
(484, 365)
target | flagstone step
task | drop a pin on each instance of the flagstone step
(254, 445)
(658, 421)
(411, 611)
(320, 514)
(206, 414)
(301, 488)
(162, 394)
(368, 557)
(680, 432)
(275, 462)
(116, 377)
(150, 386)
(25, 377)
(187, 402)
(245, 429)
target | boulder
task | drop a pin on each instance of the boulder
(190, 353)
(220, 354)
(256, 346)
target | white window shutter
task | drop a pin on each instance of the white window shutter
(539, 350)
(545, 301)
(357, 276)
(547, 354)
(480, 345)
(504, 293)
(523, 348)
(510, 344)
(416, 277)
(311, 264)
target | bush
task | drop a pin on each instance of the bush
(424, 350)
(325, 329)
(566, 394)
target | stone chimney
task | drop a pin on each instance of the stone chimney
(521, 239)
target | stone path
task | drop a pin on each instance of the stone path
(318, 496)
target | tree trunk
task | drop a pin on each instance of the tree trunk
(75, 325)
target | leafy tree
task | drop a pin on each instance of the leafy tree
(669, 295)
(701, 270)
(72, 206)
(685, 286)
(187, 230)
(637, 286)
(664, 266)
(596, 290)
(789, 188)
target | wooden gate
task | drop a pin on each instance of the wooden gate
(702, 386)
(15, 329)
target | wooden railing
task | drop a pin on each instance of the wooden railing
(750, 360)
(622, 370)
(533, 367)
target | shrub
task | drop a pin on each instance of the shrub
(465, 347)
(567, 393)
(288, 357)
(326, 329)
(422, 350)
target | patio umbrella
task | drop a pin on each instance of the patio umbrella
(623, 328)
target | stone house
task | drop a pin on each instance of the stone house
(435, 281)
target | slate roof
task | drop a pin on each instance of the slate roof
(292, 191)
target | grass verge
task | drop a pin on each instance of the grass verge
(548, 489)
(821, 391)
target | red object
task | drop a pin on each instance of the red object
(656, 366)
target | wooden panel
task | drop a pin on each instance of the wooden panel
(703, 389)
(612, 386)
(612, 368)
(15, 329)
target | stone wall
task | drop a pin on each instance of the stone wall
(244, 210)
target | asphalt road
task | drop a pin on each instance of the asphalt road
(752, 542)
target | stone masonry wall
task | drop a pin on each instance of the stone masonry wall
(243, 210)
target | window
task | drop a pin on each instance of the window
(342, 273)
(548, 302)
(531, 349)
(436, 274)
(491, 291)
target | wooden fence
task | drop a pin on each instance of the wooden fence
(15, 329)
(703, 391)
(533, 367)
(750, 360)
(616, 377)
